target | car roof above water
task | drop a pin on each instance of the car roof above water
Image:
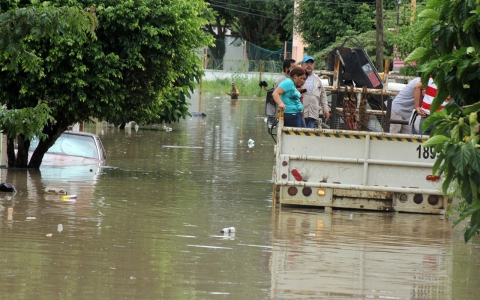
(74, 144)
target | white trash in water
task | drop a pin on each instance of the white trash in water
(251, 143)
(228, 230)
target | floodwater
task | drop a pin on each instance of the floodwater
(148, 226)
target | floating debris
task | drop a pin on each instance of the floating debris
(182, 147)
(7, 187)
(69, 197)
(54, 190)
(228, 230)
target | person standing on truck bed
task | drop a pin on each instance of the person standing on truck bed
(402, 107)
(288, 64)
(314, 96)
(422, 106)
(287, 97)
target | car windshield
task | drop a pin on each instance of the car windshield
(71, 144)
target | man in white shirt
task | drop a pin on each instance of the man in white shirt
(315, 95)
(402, 107)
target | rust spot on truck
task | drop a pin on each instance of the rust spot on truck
(363, 194)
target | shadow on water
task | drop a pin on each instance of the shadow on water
(147, 226)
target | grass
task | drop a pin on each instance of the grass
(248, 87)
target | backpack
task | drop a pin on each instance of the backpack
(269, 97)
(270, 104)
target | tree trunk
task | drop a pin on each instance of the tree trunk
(11, 152)
(217, 53)
(22, 152)
(53, 132)
(379, 47)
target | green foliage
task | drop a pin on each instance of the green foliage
(404, 37)
(262, 23)
(320, 25)
(451, 28)
(368, 40)
(142, 63)
(409, 70)
(365, 19)
(18, 26)
(28, 122)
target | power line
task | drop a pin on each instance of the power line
(244, 12)
(337, 2)
(240, 6)
(227, 6)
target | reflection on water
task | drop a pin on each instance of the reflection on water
(372, 255)
(147, 226)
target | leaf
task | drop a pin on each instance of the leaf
(455, 134)
(474, 189)
(429, 13)
(442, 94)
(462, 159)
(475, 159)
(434, 118)
(438, 163)
(468, 211)
(467, 110)
(471, 21)
(471, 230)
(447, 181)
(416, 55)
(423, 32)
(435, 140)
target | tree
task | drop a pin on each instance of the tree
(258, 22)
(40, 22)
(320, 25)
(23, 125)
(404, 40)
(452, 58)
(141, 67)
(261, 23)
(36, 23)
(219, 25)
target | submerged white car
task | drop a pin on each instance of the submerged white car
(73, 148)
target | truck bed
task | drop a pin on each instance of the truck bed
(356, 169)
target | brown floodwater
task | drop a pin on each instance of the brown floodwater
(147, 226)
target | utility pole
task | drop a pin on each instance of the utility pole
(379, 33)
(399, 2)
(413, 8)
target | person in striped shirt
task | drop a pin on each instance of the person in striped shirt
(422, 106)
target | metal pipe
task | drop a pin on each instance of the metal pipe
(390, 76)
(359, 90)
(366, 160)
(359, 161)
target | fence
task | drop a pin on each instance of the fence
(235, 55)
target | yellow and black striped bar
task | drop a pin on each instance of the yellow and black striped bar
(355, 136)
